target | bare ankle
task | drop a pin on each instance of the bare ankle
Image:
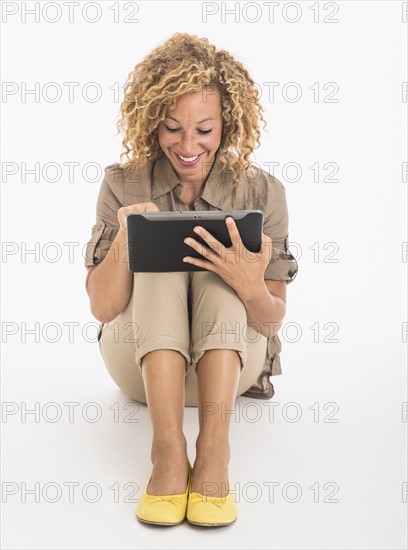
(210, 445)
(165, 444)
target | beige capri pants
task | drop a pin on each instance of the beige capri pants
(190, 312)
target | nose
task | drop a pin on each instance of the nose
(187, 145)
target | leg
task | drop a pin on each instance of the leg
(163, 373)
(162, 354)
(219, 353)
(150, 313)
(218, 374)
(117, 347)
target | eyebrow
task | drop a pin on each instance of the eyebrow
(209, 118)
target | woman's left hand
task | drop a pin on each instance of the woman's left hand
(240, 268)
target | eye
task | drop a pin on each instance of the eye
(177, 129)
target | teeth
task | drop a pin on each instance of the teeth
(188, 159)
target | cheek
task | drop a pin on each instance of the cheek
(163, 137)
(213, 140)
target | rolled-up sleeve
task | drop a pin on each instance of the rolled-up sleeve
(282, 265)
(106, 227)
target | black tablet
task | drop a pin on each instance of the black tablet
(156, 239)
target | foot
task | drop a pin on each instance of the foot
(170, 469)
(210, 470)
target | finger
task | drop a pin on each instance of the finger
(201, 263)
(233, 231)
(201, 249)
(209, 239)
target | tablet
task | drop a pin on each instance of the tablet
(156, 239)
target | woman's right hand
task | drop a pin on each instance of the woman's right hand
(141, 207)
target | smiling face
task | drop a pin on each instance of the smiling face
(191, 134)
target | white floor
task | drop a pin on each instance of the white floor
(333, 479)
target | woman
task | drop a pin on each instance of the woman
(190, 120)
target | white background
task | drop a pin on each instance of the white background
(361, 369)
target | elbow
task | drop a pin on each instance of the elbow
(102, 310)
(271, 328)
(277, 327)
(279, 318)
(103, 314)
(101, 317)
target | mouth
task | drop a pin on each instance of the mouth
(188, 161)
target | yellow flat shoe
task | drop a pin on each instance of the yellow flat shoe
(163, 509)
(211, 511)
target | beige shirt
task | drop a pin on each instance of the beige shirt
(157, 182)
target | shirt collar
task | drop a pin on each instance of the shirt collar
(217, 191)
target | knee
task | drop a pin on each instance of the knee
(221, 357)
(162, 356)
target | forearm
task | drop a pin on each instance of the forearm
(110, 284)
(265, 311)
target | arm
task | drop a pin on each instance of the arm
(109, 283)
(265, 305)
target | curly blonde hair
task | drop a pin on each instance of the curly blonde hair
(187, 63)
